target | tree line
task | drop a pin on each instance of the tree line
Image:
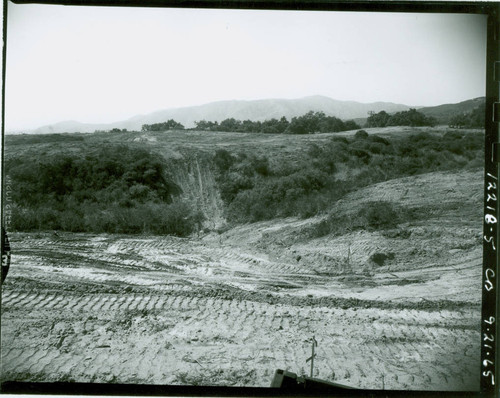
(311, 122)
(319, 122)
(472, 119)
(168, 125)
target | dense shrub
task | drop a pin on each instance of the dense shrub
(322, 158)
(232, 183)
(308, 185)
(377, 215)
(112, 189)
(105, 175)
(380, 215)
(360, 154)
(379, 140)
(453, 135)
(380, 258)
(24, 139)
(339, 139)
(223, 160)
(377, 148)
(276, 196)
(124, 190)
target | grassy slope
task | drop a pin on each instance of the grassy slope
(176, 144)
(171, 144)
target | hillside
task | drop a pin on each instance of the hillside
(393, 306)
(260, 110)
(211, 179)
(371, 243)
(257, 110)
(443, 113)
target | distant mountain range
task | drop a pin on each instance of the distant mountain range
(260, 110)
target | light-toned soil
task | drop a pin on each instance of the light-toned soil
(231, 308)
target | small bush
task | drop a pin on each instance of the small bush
(377, 148)
(223, 160)
(378, 139)
(361, 135)
(339, 139)
(380, 215)
(453, 135)
(381, 258)
(360, 154)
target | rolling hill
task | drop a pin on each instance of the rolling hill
(242, 110)
(259, 110)
(444, 112)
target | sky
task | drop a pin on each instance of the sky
(106, 64)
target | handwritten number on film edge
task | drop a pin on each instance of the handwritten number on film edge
(487, 362)
(490, 220)
(488, 285)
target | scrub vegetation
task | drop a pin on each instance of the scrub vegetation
(130, 187)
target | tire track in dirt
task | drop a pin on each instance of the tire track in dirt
(11, 297)
(380, 345)
(55, 301)
(110, 302)
(43, 359)
(143, 304)
(14, 298)
(18, 357)
(79, 305)
(27, 299)
(41, 302)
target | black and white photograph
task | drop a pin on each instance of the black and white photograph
(243, 197)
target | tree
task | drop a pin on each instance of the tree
(230, 124)
(378, 119)
(410, 117)
(351, 125)
(274, 126)
(305, 124)
(206, 125)
(248, 126)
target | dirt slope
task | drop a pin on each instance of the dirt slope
(231, 308)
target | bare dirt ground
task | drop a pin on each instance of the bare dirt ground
(231, 308)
